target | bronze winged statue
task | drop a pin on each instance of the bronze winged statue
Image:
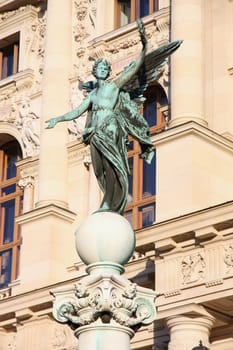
(113, 115)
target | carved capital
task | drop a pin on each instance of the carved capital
(26, 182)
(104, 299)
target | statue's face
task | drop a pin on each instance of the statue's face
(102, 71)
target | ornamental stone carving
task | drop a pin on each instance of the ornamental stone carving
(193, 268)
(83, 30)
(35, 44)
(59, 337)
(28, 126)
(104, 299)
(26, 182)
(76, 126)
(228, 258)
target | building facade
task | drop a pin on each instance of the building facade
(181, 206)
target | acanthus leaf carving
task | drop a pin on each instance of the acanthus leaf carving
(107, 299)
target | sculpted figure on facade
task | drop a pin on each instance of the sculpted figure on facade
(228, 258)
(26, 124)
(112, 116)
(193, 268)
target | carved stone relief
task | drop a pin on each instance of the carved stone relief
(193, 268)
(27, 124)
(20, 115)
(76, 126)
(15, 103)
(32, 32)
(108, 299)
(59, 337)
(35, 46)
(84, 24)
(228, 258)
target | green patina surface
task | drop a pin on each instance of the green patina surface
(112, 116)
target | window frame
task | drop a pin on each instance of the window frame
(15, 243)
(134, 10)
(7, 44)
(138, 201)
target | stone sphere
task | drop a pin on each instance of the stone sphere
(105, 236)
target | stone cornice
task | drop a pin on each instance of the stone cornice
(192, 128)
(48, 210)
(24, 77)
(185, 227)
(9, 5)
(130, 27)
(16, 19)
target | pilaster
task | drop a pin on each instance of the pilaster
(55, 101)
(187, 63)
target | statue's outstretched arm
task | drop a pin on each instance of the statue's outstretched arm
(135, 65)
(77, 112)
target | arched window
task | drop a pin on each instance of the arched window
(141, 207)
(10, 207)
(128, 11)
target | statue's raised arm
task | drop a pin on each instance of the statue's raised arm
(113, 115)
(134, 66)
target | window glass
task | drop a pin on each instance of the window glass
(148, 181)
(129, 216)
(10, 206)
(128, 11)
(5, 267)
(8, 189)
(8, 215)
(144, 8)
(130, 180)
(9, 55)
(142, 181)
(125, 7)
(11, 167)
(150, 112)
(147, 214)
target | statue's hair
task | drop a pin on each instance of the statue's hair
(97, 62)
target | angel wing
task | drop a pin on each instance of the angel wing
(150, 69)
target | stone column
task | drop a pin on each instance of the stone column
(55, 102)
(104, 308)
(187, 63)
(186, 332)
(27, 184)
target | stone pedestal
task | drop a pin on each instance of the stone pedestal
(104, 308)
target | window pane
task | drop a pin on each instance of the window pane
(150, 112)
(147, 214)
(130, 145)
(5, 268)
(11, 167)
(148, 186)
(7, 210)
(144, 8)
(130, 180)
(129, 216)
(8, 189)
(7, 62)
(125, 7)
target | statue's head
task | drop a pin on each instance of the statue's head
(101, 62)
